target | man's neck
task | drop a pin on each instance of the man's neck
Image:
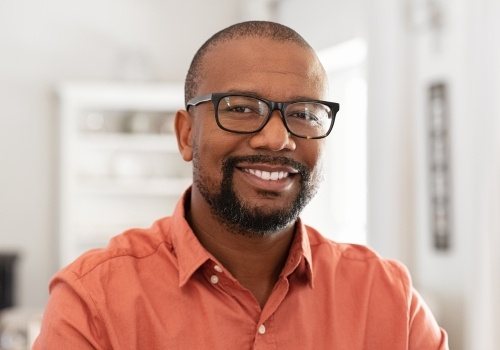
(255, 261)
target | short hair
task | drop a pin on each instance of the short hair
(256, 29)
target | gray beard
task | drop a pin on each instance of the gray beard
(247, 220)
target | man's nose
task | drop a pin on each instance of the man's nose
(274, 136)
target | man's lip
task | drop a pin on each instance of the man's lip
(268, 167)
(260, 182)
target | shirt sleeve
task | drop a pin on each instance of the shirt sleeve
(423, 329)
(70, 320)
(425, 333)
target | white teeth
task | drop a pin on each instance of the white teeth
(266, 175)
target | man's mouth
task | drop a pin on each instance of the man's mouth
(265, 172)
(267, 175)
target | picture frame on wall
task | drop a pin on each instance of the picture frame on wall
(439, 166)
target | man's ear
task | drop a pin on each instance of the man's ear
(184, 134)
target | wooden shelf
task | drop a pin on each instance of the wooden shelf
(112, 180)
(128, 142)
(134, 187)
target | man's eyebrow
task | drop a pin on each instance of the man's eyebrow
(254, 94)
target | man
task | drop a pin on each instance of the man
(234, 267)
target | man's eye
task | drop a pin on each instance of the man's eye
(304, 115)
(240, 109)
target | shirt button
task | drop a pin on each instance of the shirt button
(217, 268)
(214, 279)
(262, 329)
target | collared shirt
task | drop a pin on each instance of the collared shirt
(159, 288)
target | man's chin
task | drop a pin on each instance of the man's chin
(261, 226)
(255, 217)
(265, 199)
(267, 209)
(265, 218)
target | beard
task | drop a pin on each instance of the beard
(253, 220)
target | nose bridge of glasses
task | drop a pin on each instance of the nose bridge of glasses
(274, 134)
(276, 111)
(277, 106)
(273, 106)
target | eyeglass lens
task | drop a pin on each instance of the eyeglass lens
(248, 114)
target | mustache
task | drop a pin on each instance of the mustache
(230, 163)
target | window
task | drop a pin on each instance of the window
(339, 210)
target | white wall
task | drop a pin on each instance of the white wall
(45, 42)
(406, 58)
(440, 57)
(463, 278)
(480, 221)
(324, 23)
(390, 138)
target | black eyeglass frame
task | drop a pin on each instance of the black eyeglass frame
(280, 106)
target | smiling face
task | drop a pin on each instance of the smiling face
(254, 183)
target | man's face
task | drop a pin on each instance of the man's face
(256, 183)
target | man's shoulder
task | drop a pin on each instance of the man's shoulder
(129, 247)
(351, 251)
(355, 258)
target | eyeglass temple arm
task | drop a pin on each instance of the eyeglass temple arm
(197, 100)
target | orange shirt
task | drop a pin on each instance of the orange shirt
(160, 289)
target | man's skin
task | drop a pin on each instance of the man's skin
(279, 71)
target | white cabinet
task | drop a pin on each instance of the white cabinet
(119, 162)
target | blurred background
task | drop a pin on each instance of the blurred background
(87, 94)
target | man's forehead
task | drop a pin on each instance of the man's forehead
(242, 58)
(250, 48)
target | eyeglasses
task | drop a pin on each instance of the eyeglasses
(244, 114)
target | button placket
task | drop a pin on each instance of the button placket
(214, 279)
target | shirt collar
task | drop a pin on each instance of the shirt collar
(300, 257)
(191, 255)
(189, 251)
